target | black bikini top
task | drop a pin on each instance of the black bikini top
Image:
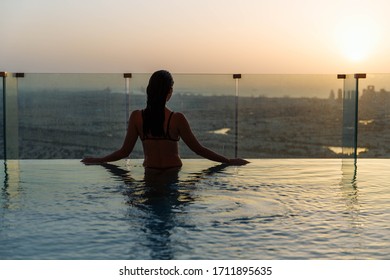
(166, 136)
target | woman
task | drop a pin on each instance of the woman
(160, 129)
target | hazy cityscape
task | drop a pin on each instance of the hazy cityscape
(59, 124)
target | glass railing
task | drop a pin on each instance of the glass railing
(251, 116)
(374, 116)
(350, 116)
(289, 116)
(10, 113)
(70, 115)
(2, 127)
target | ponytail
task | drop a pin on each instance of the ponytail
(159, 86)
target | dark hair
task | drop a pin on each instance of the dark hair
(160, 83)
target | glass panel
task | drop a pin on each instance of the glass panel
(374, 116)
(11, 117)
(290, 116)
(349, 117)
(71, 115)
(207, 101)
(137, 101)
(2, 81)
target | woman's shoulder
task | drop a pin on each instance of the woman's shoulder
(177, 115)
(136, 115)
(179, 120)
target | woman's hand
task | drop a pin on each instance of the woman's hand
(238, 161)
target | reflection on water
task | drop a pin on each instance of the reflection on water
(10, 189)
(350, 192)
(366, 122)
(346, 150)
(268, 209)
(349, 172)
(222, 131)
(162, 197)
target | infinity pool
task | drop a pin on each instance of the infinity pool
(268, 209)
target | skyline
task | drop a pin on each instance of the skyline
(220, 36)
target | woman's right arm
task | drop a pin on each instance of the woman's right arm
(125, 150)
(192, 142)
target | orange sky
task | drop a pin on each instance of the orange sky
(195, 36)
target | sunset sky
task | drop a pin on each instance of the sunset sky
(195, 36)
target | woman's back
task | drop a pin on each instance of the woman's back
(160, 151)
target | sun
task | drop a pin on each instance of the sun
(357, 46)
(358, 38)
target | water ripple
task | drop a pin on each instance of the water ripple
(269, 209)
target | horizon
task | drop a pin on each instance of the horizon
(256, 85)
(262, 37)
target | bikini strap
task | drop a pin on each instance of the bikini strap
(169, 122)
(166, 136)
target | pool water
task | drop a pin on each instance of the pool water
(268, 209)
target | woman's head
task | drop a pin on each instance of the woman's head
(158, 90)
(159, 87)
